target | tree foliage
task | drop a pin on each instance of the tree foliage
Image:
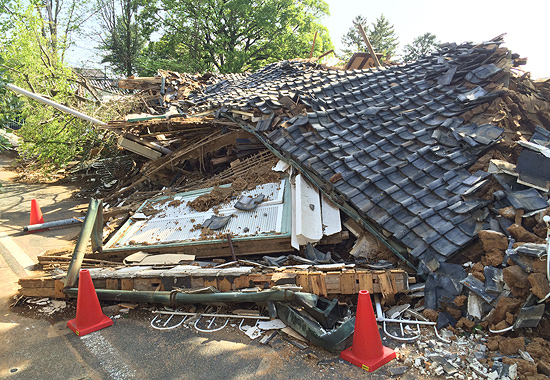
(59, 20)
(381, 36)
(121, 38)
(420, 46)
(231, 35)
(10, 105)
(352, 40)
(34, 62)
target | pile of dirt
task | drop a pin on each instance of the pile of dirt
(217, 196)
(250, 180)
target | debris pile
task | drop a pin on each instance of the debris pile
(425, 183)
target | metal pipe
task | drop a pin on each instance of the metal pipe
(174, 298)
(501, 331)
(57, 223)
(82, 243)
(61, 107)
(209, 330)
(166, 322)
(211, 315)
(381, 318)
(408, 321)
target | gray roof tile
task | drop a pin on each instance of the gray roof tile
(393, 133)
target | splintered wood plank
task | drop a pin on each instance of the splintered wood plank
(37, 292)
(99, 283)
(259, 278)
(241, 282)
(210, 281)
(138, 148)
(386, 288)
(147, 284)
(317, 281)
(332, 282)
(206, 250)
(387, 283)
(347, 283)
(37, 282)
(283, 278)
(126, 284)
(303, 281)
(393, 283)
(58, 289)
(112, 283)
(224, 284)
(365, 282)
(140, 83)
(336, 238)
(197, 282)
(62, 250)
(401, 280)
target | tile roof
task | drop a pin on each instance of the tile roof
(394, 134)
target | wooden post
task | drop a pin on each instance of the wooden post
(313, 44)
(325, 54)
(369, 46)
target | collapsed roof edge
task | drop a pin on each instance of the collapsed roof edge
(343, 206)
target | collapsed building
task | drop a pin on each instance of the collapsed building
(439, 167)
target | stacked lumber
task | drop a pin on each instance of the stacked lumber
(388, 283)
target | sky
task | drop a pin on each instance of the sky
(524, 22)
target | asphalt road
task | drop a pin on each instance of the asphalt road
(37, 346)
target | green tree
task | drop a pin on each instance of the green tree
(420, 46)
(10, 106)
(352, 39)
(49, 137)
(60, 19)
(381, 35)
(120, 35)
(383, 38)
(168, 53)
(233, 35)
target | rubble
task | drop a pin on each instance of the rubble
(516, 279)
(511, 346)
(424, 183)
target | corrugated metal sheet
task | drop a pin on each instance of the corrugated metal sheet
(176, 223)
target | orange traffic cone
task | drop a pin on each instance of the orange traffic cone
(89, 316)
(36, 216)
(366, 351)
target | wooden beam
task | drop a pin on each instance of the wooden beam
(326, 284)
(313, 44)
(325, 54)
(336, 238)
(205, 145)
(386, 286)
(37, 283)
(369, 46)
(364, 279)
(138, 148)
(205, 250)
(139, 83)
